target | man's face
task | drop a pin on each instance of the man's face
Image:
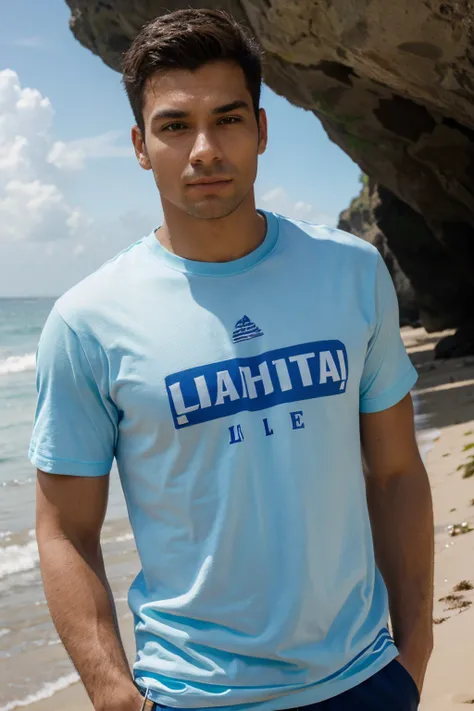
(202, 139)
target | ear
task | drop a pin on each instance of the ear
(140, 148)
(262, 131)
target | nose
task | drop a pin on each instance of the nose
(206, 149)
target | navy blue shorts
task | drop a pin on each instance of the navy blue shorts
(391, 689)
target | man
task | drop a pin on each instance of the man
(239, 366)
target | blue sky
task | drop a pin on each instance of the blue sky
(65, 151)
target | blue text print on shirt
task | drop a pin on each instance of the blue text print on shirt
(301, 372)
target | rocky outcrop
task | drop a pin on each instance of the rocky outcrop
(393, 84)
(359, 219)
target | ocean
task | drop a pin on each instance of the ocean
(34, 664)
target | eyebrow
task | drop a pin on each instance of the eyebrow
(233, 106)
(176, 114)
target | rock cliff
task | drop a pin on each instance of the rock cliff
(393, 84)
(359, 219)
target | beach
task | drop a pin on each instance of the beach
(42, 678)
(445, 393)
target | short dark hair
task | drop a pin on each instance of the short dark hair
(188, 39)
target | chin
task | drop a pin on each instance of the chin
(212, 210)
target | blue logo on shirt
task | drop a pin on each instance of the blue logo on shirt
(301, 372)
(245, 329)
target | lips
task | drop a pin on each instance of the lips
(209, 181)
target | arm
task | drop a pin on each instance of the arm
(70, 512)
(400, 508)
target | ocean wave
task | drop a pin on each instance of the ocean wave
(426, 436)
(17, 559)
(426, 440)
(118, 539)
(18, 364)
(4, 631)
(17, 482)
(45, 692)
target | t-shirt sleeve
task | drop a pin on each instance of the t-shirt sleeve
(75, 424)
(388, 373)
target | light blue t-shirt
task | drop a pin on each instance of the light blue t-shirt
(229, 394)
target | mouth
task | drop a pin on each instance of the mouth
(210, 183)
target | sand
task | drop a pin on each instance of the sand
(445, 392)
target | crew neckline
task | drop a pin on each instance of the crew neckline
(219, 269)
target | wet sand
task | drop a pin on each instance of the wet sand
(445, 393)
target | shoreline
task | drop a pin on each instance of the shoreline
(444, 397)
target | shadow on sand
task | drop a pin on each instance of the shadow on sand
(445, 388)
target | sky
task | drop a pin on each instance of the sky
(71, 192)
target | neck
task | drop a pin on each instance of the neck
(219, 240)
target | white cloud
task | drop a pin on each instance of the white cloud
(32, 202)
(78, 223)
(273, 196)
(66, 157)
(72, 155)
(278, 200)
(303, 209)
(34, 167)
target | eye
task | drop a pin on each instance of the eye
(172, 127)
(230, 119)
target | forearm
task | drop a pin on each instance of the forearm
(401, 514)
(83, 611)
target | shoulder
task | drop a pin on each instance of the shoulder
(340, 253)
(88, 301)
(331, 238)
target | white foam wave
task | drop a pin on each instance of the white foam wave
(18, 364)
(17, 482)
(46, 691)
(426, 436)
(16, 559)
(4, 631)
(426, 441)
(118, 539)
